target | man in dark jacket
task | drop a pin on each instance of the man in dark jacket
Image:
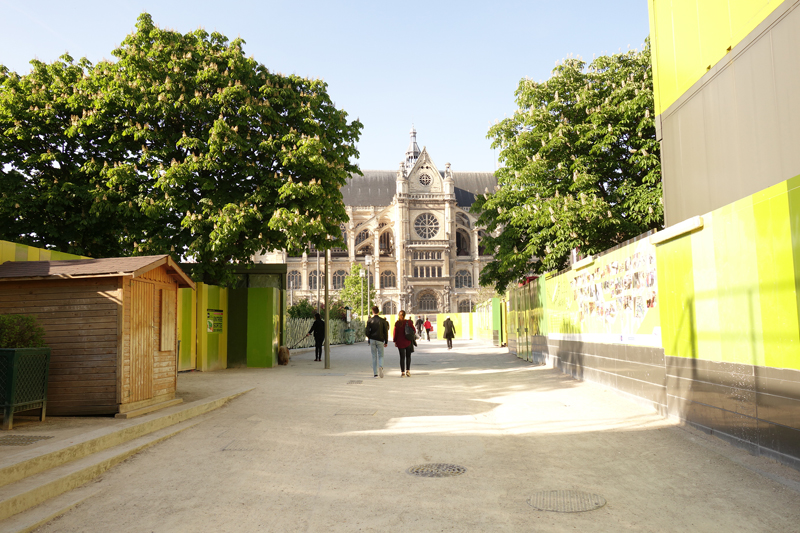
(419, 323)
(449, 332)
(318, 329)
(377, 332)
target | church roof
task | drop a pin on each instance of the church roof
(378, 187)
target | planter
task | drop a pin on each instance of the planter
(23, 381)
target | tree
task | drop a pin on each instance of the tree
(302, 309)
(581, 167)
(354, 288)
(188, 147)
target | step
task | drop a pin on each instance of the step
(149, 409)
(27, 494)
(54, 454)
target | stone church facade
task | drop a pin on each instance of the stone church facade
(415, 227)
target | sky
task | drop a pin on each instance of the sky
(449, 68)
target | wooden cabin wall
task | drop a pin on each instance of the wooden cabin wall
(149, 362)
(80, 319)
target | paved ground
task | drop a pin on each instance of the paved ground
(308, 450)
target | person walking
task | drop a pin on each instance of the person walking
(377, 332)
(428, 327)
(449, 332)
(318, 329)
(419, 326)
(404, 345)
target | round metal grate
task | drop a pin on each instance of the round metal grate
(566, 501)
(436, 470)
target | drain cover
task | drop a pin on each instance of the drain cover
(21, 440)
(436, 470)
(354, 382)
(566, 501)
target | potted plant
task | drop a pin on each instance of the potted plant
(24, 366)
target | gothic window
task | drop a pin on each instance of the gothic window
(362, 236)
(341, 251)
(462, 219)
(463, 279)
(385, 242)
(388, 280)
(312, 280)
(425, 179)
(427, 272)
(338, 279)
(462, 243)
(438, 272)
(295, 279)
(389, 308)
(427, 302)
(426, 225)
(464, 306)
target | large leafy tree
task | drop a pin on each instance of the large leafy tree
(580, 167)
(186, 146)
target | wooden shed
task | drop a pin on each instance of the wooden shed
(111, 325)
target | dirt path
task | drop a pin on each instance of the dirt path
(308, 450)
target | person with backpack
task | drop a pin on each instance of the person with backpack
(377, 332)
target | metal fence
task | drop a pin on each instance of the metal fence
(297, 328)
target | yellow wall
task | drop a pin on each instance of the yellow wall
(690, 36)
(212, 348)
(10, 251)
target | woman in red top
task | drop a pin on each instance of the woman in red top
(428, 327)
(404, 345)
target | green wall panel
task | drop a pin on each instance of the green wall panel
(263, 308)
(676, 298)
(237, 328)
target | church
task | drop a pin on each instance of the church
(411, 229)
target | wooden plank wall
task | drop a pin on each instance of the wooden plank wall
(80, 321)
(161, 356)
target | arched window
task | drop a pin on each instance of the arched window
(389, 308)
(385, 242)
(464, 306)
(362, 236)
(462, 243)
(388, 280)
(463, 279)
(312, 280)
(338, 279)
(295, 279)
(427, 302)
(426, 225)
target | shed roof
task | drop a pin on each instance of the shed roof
(92, 268)
(377, 187)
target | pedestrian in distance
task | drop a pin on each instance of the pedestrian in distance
(403, 329)
(318, 329)
(377, 332)
(419, 326)
(428, 327)
(449, 332)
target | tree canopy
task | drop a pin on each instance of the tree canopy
(181, 145)
(355, 287)
(580, 167)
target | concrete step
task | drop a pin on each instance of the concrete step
(149, 409)
(54, 454)
(25, 499)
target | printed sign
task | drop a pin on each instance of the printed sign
(214, 320)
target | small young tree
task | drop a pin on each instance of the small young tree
(354, 292)
(302, 309)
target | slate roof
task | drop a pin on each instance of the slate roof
(88, 268)
(377, 187)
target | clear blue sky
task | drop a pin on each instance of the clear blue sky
(451, 68)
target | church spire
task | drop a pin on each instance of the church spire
(413, 151)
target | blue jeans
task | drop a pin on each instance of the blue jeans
(376, 347)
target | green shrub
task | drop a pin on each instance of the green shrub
(21, 331)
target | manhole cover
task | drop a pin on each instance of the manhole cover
(21, 440)
(436, 470)
(566, 501)
(354, 382)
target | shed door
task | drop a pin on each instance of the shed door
(143, 341)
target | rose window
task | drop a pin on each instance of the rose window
(425, 179)
(426, 225)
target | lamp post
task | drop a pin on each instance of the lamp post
(368, 261)
(361, 286)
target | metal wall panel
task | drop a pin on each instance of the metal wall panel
(737, 131)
